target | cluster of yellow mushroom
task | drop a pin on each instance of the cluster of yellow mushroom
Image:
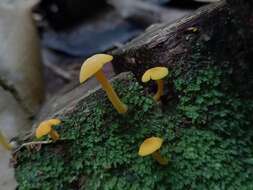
(93, 67)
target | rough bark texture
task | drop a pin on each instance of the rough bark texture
(164, 44)
(223, 29)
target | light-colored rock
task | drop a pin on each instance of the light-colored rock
(21, 83)
(20, 60)
(13, 121)
(7, 180)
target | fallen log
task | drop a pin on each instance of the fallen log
(206, 126)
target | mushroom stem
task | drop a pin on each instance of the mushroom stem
(4, 142)
(159, 93)
(113, 97)
(54, 135)
(157, 156)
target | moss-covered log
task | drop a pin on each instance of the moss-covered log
(207, 133)
(205, 118)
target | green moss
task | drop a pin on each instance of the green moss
(207, 138)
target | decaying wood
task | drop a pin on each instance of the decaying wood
(165, 44)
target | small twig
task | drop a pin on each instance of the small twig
(37, 143)
(34, 143)
(31, 144)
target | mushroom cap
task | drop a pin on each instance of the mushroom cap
(150, 145)
(155, 73)
(54, 121)
(45, 127)
(93, 65)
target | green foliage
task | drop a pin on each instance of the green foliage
(205, 161)
(206, 132)
(206, 100)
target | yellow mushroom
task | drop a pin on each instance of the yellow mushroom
(151, 146)
(157, 74)
(46, 128)
(4, 142)
(93, 66)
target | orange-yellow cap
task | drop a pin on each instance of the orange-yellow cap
(155, 73)
(45, 127)
(150, 145)
(93, 65)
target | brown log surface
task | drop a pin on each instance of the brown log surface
(223, 30)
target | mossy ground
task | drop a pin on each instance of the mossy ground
(206, 127)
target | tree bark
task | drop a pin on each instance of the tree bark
(221, 32)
